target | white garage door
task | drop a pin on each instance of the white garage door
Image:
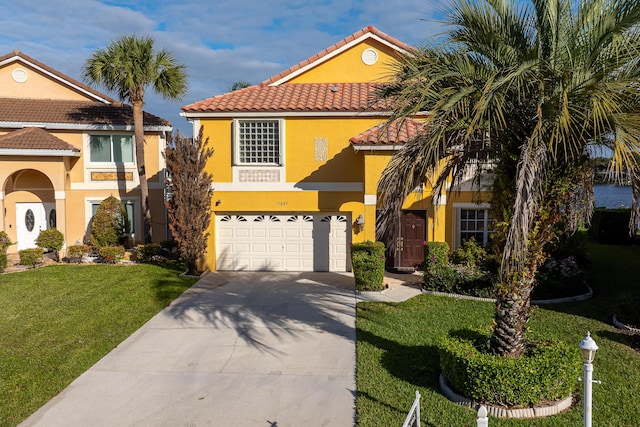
(270, 242)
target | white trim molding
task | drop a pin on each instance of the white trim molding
(370, 200)
(60, 195)
(289, 186)
(38, 152)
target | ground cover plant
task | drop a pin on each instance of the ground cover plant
(57, 321)
(397, 349)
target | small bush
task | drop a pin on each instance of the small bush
(108, 225)
(146, 253)
(50, 239)
(5, 242)
(3, 261)
(547, 372)
(367, 260)
(437, 269)
(31, 256)
(558, 278)
(111, 254)
(76, 252)
(470, 253)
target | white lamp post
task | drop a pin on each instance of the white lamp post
(588, 348)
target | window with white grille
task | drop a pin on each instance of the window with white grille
(475, 223)
(259, 142)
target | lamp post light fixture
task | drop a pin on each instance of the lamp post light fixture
(588, 349)
(360, 222)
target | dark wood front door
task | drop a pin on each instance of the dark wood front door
(413, 233)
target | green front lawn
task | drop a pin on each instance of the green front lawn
(57, 321)
(396, 353)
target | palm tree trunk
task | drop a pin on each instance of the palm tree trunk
(142, 174)
(512, 315)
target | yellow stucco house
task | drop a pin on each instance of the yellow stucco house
(297, 162)
(65, 147)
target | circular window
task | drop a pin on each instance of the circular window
(369, 56)
(52, 218)
(19, 75)
(29, 220)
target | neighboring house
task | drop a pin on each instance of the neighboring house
(297, 162)
(65, 147)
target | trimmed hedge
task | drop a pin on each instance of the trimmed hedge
(111, 254)
(611, 226)
(76, 252)
(50, 239)
(145, 253)
(367, 260)
(31, 256)
(5, 241)
(547, 372)
(3, 261)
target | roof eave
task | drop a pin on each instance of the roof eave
(38, 152)
(77, 126)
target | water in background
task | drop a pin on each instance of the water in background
(612, 196)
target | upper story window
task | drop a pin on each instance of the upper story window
(111, 148)
(259, 142)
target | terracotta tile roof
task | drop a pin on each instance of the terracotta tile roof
(294, 97)
(398, 132)
(33, 139)
(367, 30)
(71, 112)
(28, 59)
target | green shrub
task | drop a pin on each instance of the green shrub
(547, 372)
(470, 253)
(31, 256)
(3, 261)
(5, 242)
(148, 251)
(50, 239)
(76, 252)
(108, 225)
(610, 226)
(111, 254)
(436, 263)
(367, 260)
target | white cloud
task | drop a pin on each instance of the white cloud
(220, 41)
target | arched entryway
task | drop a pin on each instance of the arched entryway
(30, 206)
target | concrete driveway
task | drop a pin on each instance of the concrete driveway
(237, 349)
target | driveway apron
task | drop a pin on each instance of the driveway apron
(237, 349)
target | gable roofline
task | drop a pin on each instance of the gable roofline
(369, 32)
(17, 56)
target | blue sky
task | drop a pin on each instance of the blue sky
(219, 41)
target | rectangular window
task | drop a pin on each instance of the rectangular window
(111, 148)
(258, 142)
(475, 223)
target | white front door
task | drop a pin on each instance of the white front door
(31, 218)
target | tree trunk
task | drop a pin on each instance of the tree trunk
(138, 125)
(512, 315)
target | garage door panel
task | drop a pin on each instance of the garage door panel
(303, 242)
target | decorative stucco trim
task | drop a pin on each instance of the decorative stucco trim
(289, 186)
(370, 200)
(60, 195)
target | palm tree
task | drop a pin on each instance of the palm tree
(523, 87)
(128, 66)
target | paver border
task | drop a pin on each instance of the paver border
(496, 411)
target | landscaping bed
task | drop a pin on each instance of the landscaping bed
(397, 350)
